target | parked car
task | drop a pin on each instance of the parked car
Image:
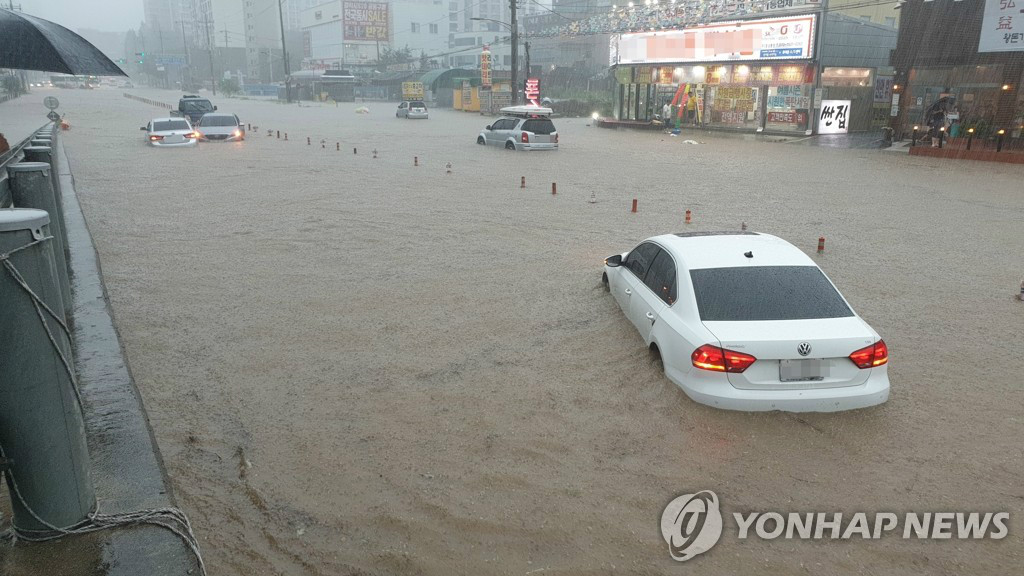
(747, 321)
(220, 127)
(193, 108)
(521, 128)
(167, 132)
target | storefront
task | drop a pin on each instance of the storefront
(765, 82)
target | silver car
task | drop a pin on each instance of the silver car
(412, 109)
(521, 128)
(167, 132)
(220, 127)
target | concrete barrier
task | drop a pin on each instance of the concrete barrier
(42, 436)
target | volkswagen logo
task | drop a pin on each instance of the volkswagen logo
(804, 349)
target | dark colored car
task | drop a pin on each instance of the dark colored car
(194, 107)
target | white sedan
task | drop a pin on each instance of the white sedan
(746, 321)
(166, 132)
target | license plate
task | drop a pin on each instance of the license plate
(802, 370)
(174, 139)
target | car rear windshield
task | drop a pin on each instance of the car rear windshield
(170, 125)
(417, 104)
(539, 126)
(218, 121)
(766, 293)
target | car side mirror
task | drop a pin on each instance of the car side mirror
(488, 127)
(214, 107)
(613, 261)
(142, 128)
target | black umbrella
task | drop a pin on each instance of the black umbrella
(30, 43)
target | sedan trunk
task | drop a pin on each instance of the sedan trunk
(777, 345)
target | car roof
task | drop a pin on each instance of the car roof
(165, 119)
(211, 114)
(726, 249)
(526, 111)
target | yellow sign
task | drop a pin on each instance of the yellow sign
(412, 90)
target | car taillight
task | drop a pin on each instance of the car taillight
(155, 137)
(709, 357)
(556, 137)
(876, 354)
(525, 137)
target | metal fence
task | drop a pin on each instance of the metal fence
(150, 102)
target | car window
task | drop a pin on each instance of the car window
(218, 121)
(639, 260)
(417, 105)
(766, 293)
(498, 124)
(161, 125)
(661, 277)
(402, 105)
(195, 106)
(539, 126)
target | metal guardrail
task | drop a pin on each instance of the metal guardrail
(10, 157)
(150, 102)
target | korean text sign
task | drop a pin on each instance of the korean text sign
(365, 21)
(834, 117)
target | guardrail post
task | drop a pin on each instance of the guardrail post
(31, 187)
(41, 429)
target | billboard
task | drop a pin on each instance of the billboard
(768, 39)
(1002, 27)
(365, 21)
(834, 117)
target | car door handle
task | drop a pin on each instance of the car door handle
(628, 292)
(650, 316)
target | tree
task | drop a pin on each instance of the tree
(13, 85)
(424, 61)
(390, 57)
(230, 87)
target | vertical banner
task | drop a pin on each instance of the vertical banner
(1002, 26)
(532, 91)
(485, 67)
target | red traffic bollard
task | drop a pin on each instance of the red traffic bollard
(415, 160)
(285, 135)
(689, 215)
(634, 205)
(821, 244)
(554, 188)
(522, 181)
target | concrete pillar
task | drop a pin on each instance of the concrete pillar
(41, 428)
(32, 187)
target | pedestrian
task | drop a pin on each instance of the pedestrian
(691, 108)
(666, 113)
(936, 122)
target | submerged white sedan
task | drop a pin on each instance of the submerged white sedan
(170, 132)
(747, 321)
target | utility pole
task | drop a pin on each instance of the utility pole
(515, 53)
(209, 45)
(188, 59)
(284, 52)
(225, 36)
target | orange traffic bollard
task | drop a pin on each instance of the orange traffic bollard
(689, 215)
(354, 151)
(337, 146)
(415, 160)
(634, 205)
(554, 188)
(821, 244)
(743, 226)
(285, 135)
(522, 181)
(278, 133)
(307, 140)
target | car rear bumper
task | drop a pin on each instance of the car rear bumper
(186, 144)
(713, 389)
(414, 116)
(533, 146)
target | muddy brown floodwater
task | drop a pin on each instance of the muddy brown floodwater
(358, 366)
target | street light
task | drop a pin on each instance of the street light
(514, 29)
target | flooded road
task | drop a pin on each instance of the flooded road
(360, 366)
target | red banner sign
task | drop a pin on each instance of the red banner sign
(532, 91)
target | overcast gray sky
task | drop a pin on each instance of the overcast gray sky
(109, 15)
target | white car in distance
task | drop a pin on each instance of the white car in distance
(747, 321)
(170, 132)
